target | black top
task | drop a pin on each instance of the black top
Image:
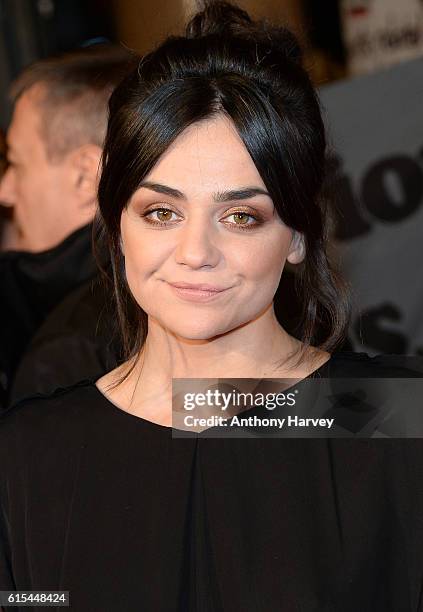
(112, 508)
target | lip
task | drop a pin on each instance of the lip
(198, 287)
(197, 293)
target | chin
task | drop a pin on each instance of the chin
(197, 330)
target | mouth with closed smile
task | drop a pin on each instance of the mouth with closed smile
(201, 292)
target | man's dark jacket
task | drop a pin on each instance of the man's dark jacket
(51, 310)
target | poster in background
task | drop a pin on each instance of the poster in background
(375, 125)
(379, 33)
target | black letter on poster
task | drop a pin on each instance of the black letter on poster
(370, 326)
(407, 180)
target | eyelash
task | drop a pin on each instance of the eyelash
(249, 226)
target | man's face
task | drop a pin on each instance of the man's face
(37, 189)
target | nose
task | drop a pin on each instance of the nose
(196, 246)
(7, 188)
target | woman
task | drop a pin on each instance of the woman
(213, 165)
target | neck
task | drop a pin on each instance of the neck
(246, 352)
(259, 349)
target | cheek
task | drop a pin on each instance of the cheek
(38, 189)
(136, 276)
(143, 256)
(136, 268)
(142, 253)
(262, 261)
(30, 195)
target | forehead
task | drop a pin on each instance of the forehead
(207, 154)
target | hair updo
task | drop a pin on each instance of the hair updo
(252, 72)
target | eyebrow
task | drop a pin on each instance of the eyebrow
(221, 196)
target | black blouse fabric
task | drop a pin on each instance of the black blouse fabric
(112, 508)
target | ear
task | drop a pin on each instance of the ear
(85, 161)
(296, 252)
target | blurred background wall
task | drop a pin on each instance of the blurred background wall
(141, 24)
(341, 37)
(30, 29)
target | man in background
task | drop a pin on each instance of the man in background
(6, 225)
(54, 146)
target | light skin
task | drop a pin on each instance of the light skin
(51, 198)
(211, 190)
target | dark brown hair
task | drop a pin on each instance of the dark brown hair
(252, 73)
(73, 90)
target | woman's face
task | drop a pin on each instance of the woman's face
(203, 217)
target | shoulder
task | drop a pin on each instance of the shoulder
(42, 420)
(42, 428)
(60, 399)
(42, 440)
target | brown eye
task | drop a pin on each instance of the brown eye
(160, 216)
(241, 217)
(163, 214)
(242, 220)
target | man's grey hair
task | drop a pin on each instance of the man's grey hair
(72, 92)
